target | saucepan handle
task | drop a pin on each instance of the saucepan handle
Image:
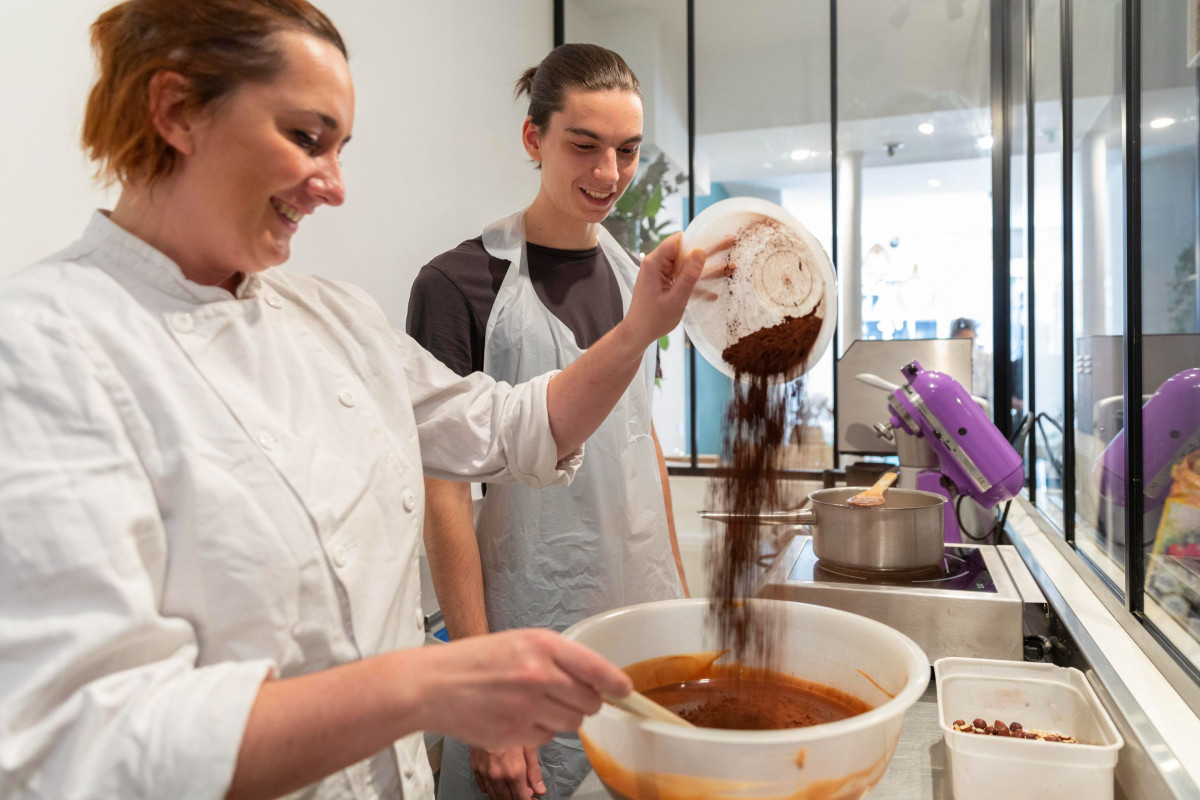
(800, 516)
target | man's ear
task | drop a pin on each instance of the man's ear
(531, 138)
(170, 112)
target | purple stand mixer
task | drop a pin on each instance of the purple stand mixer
(942, 432)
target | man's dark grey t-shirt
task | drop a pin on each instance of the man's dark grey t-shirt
(453, 295)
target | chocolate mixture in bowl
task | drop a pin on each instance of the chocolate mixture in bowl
(734, 697)
(751, 704)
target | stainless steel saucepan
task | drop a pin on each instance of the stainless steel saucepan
(903, 534)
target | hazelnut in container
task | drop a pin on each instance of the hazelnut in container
(1024, 730)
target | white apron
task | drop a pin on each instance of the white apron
(552, 557)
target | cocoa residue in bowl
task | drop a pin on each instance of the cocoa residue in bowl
(776, 350)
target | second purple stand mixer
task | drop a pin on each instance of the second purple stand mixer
(948, 445)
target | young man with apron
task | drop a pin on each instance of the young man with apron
(529, 296)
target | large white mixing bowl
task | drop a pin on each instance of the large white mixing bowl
(643, 760)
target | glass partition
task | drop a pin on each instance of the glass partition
(762, 77)
(1171, 326)
(1046, 426)
(651, 35)
(1099, 262)
(1018, 403)
(914, 140)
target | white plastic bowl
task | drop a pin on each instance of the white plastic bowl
(642, 760)
(1040, 697)
(780, 271)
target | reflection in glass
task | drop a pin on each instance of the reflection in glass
(1171, 348)
(1047, 427)
(1099, 241)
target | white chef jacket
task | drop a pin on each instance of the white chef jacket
(198, 490)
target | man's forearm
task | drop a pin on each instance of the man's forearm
(453, 554)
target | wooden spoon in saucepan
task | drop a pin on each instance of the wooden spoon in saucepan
(637, 703)
(874, 495)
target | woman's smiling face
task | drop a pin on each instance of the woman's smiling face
(588, 151)
(263, 158)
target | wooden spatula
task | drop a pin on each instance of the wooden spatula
(874, 495)
(638, 703)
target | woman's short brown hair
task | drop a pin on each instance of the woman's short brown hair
(216, 45)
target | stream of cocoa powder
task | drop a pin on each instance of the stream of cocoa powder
(755, 432)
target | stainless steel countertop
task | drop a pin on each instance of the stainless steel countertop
(917, 772)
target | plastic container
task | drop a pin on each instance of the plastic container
(640, 759)
(764, 268)
(1040, 697)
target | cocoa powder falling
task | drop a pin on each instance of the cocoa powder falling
(755, 434)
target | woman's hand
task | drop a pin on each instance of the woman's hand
(515, 688)
(502, 690)
(663, 287)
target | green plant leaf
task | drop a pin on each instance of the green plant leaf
(634, 219)
(629, 204)
(654, 202)
(664, 342)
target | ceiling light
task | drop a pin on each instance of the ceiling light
(925, 128)
(984, 142)
(800, 155)
(934, 182)
(1162, 122)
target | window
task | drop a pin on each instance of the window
(1063, 234)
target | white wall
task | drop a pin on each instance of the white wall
(436, 152)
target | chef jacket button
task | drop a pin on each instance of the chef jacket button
(348, 399)
(339, 555)
(409, 774)
(420, 619)
(410, 501)
(274, 301)
(266, 440)
(183, 322)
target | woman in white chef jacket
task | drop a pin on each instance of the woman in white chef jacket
(534, 293)
(210, 469)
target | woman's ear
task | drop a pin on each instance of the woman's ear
(169, 110)
(531, 137)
